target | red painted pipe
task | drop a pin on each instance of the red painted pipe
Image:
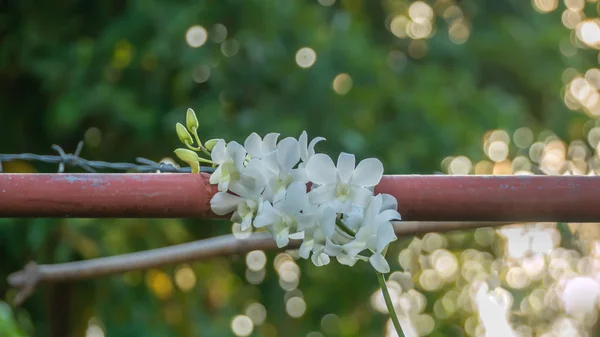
(420, 198)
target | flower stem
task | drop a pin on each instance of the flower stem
(191, 147)
(344, 228)
(200, 146)
(202, 160)
(389, 304)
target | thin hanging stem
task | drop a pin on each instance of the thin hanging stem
(389, 304)
(203, 160)
(344, 228)
(200, 146)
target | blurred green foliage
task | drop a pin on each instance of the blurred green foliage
(120, 74)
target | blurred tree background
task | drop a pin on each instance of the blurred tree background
(461, 86)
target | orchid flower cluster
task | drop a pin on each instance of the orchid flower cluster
(263, 183)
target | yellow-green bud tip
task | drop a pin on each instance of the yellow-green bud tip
(190, 157)
(210, 144)
(183, 134)
(191, 120)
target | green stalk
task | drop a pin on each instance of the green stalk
(389, 304)
(200, 146)
(203, 160)
(344, 228)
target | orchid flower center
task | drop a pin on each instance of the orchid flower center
(342, 190)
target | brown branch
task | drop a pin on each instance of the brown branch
(33, 274)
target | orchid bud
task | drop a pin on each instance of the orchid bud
(183, 134)
(190, 157)
(210, 144)
(191, 120)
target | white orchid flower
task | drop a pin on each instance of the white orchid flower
(263, 183)
(307, 150)
(284, 217)
(318, 229)
(344, 184)
(375, 233)
(258, 147)
(245, 203)
(281, 172)
(230, 158)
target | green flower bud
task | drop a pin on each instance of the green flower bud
(210, 144)
(190, 157)
(183, 134)
(191, 120)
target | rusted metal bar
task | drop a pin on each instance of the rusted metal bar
(420, 198)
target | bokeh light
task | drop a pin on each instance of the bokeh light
(342, 84)
(185, 278)
(196, 36)
(545, 6)
(295, 307)
(94, 329)
(218, 33)
(256, 260)
(306, 57)
(257, 313)
(242, 326)
(230, 47)
(458, 32)
(160, 283)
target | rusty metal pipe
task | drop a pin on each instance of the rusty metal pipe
(420, 198)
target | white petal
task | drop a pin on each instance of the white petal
(346, 260)
(320, 259)
(305, 221)
(218, 152)
(385, 235)
(224, 203)
(303, 144)
(288, 154)
(223, 185)
(373, 209)
(216, 176)
(311, 146)
(322, 194)
(332, 249)
(360, 195)
(368, 173)
(327, 220)
(389, 215)
(281, 238)
(246, 222)
(345, 166)
(305, 248)
(299, 174)
(294, 203)
(366, 232)
(267, 215)
(253, 145)
(379, 263)
(280, 194)
(296, 192)
(252, 178)
(296, 236)
(321, 170)
(354, 247)
(237, 153)
(389, 202)
(270, 142)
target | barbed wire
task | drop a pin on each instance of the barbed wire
(64, 159)
(143, 165)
